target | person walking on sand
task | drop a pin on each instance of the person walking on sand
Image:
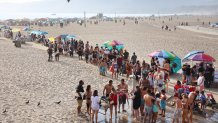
(50, 52)
(79, 91)
(95, 106)
(134, 58)
(123, 89)
(88, 95)
(108, 88)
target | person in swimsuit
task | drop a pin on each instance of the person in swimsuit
(177, 112)
(108, 88)
(163, 103)
(148, 106)
(143, 92)
(191, 100)
(113, 102)
(184, 108)
(88, 95)
(155, 109)
(123, 89)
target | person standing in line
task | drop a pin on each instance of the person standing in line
(79, 91)
(50, 52)
(95, 106)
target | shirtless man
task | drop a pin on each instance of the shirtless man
(191, 98)
(123, 90)
(143, 92)
(148, 106)
(108, 88)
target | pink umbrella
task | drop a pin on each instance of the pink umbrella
(202, 57)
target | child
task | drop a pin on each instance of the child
(203, 100)
(57, 56)
(177, 112)
(154, 110)
(163, 103)
(184, 108)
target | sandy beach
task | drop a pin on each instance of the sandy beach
(26, 75)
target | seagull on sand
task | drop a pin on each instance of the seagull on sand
(4, 111)
(27, 102)
(58, 102)
(38, 104)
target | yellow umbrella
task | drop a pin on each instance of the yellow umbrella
(51, 39)
(16, 30)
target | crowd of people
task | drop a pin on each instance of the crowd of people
(148, 96)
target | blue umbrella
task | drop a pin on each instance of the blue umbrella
(39, 32)
(185, 59)
(70, 36)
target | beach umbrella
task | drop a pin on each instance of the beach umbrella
(201, 57)
(16, 30)
(26, 29)
(162, 54)
(185, 59)
(39, 32)
(175, 64)
(62, 36)
(68, 37)
(51, 39)
(113, 43)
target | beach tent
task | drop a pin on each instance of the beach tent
(185, 59)
(113, 43)
(39, 32)
(201, 57)
(163, 54)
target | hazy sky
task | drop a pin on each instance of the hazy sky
(94, 6)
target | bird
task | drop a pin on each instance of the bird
(58, 102)
(27, 102)
(4, 111)
(38, 104)
(68, 1)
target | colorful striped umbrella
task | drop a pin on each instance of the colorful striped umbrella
(113, 43)
(185, 59)
(201, 57)
(162, 54)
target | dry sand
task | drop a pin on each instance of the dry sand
(26, 75)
